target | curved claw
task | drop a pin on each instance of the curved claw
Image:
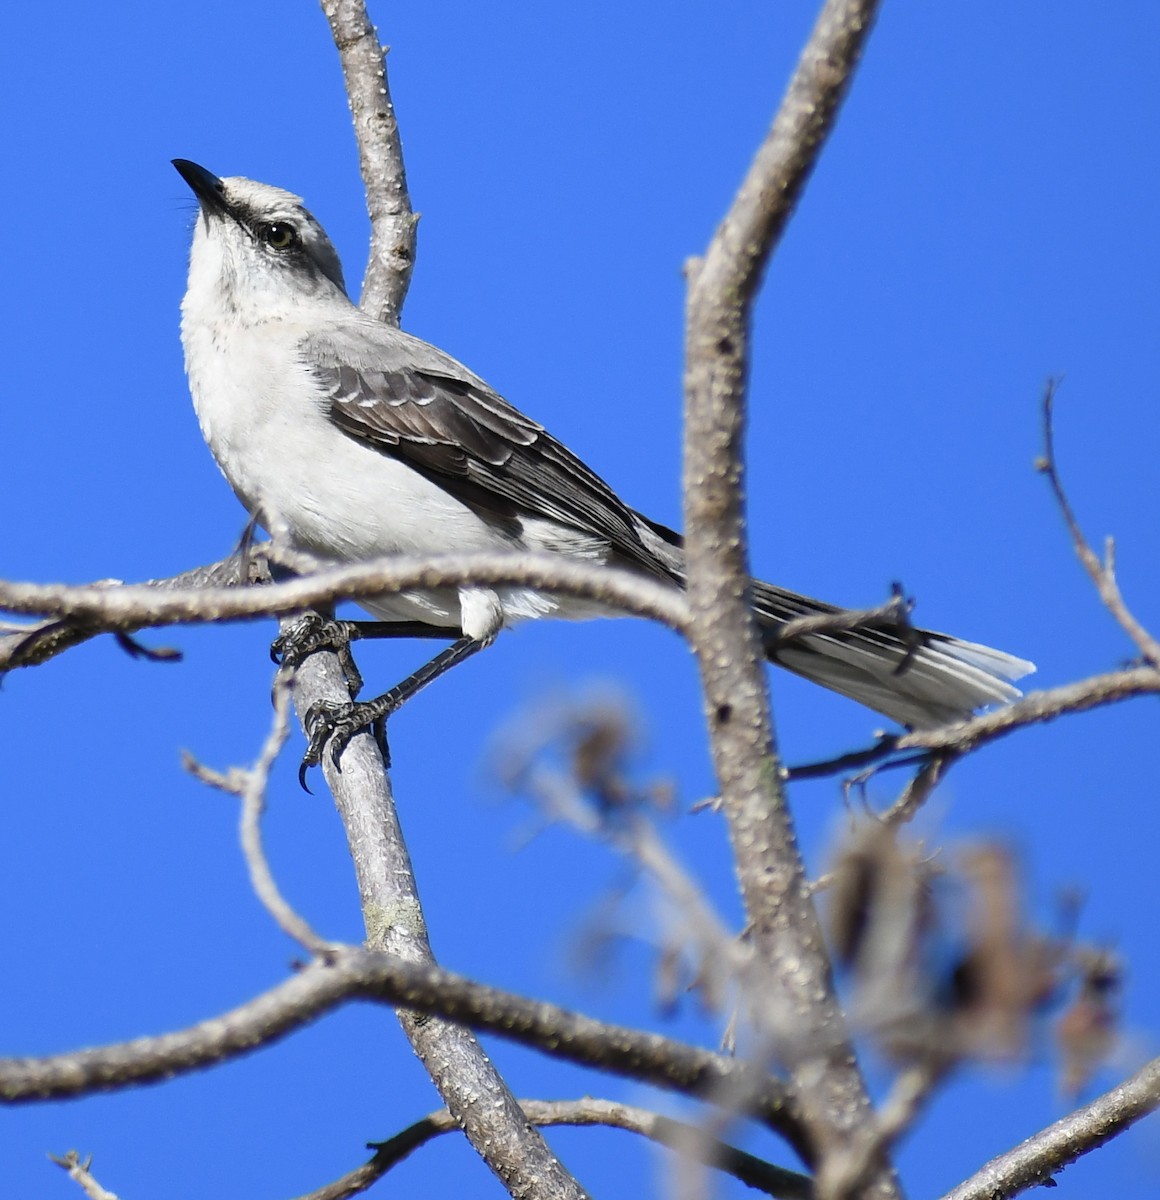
(331, 727)
(308, 632)
(311, 632)
(293, 646)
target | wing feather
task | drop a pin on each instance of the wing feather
(457, 431)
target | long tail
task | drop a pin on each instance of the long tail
(913, 676)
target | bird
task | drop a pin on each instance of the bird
(356, 440)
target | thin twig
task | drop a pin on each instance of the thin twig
(883, 748)
(893, 613)
(677, 1135)
(962, 737)
(632, 835)
(1035, 1162)
(253, 806)
(918, 790)
(250, 787)
(1035, 708)
(1102, 573)
(722, 959)
(78, 1170)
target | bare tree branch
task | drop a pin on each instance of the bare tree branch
(846, 1169)
(784, 925)
(380, 157)
(938, 749)
(1034, 709)
(134, 606)
(1036, 1161)
(31, 645)
(353, 973)
(471, 1087)
(79, 616)
(825, 1114)
(677, 1135)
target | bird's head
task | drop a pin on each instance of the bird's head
(255, 247)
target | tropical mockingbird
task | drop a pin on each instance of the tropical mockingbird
(358, 440)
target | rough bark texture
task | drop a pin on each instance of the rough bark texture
(472, 1089)
(1035, 1162)
(380, 157)
(802, 1015)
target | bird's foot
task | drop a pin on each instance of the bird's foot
(331, 725)
(312, 632)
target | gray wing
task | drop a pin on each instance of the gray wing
(409, 400)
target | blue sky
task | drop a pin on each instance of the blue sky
(985, 216)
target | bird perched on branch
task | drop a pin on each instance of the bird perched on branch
(358, 440)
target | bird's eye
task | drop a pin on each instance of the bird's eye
(279, 235)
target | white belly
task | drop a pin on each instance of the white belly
(340, 499)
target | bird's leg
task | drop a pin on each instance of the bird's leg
(314, 631)
(333, 725)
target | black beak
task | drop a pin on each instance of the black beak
(205, 185)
